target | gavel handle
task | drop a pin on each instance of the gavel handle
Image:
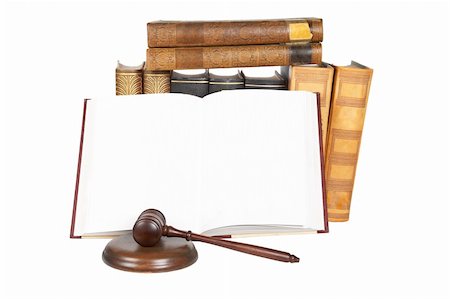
(273, 254)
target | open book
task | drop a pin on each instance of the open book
(240, 162)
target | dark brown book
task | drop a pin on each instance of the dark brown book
(160, 59)
(227, 33)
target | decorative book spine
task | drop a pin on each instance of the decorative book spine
(227, 33)
(348, 108)
(316, 79)
(156, 82)
(232, 56)
(128, 79)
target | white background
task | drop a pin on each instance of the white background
(396, 244)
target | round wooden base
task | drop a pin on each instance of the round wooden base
(167, 255)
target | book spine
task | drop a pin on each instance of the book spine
(227, 33)
(156, 82)
(315, 79)
(128, 82)
(159, 59)
(348, 108)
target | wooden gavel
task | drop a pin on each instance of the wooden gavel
(151, 226)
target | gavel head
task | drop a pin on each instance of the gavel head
(148, 229)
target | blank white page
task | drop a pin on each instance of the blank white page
(139, 152)
(261, 159)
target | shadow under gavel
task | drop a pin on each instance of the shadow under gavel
(151, 226)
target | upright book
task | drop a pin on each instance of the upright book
(156, 82)
(212, 164)
(167, 34)
(348, 109)
(315, 78)
(129, 79)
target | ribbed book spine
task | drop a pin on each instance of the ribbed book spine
(226, 33)
(315, 79)
(156, 82)
(348, 108)
(128, 79)
(232, 56)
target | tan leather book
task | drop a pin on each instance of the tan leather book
(128, 79)
(156, 82)
(348, 108)
(315, 78)
(159, 59)
(228, 33)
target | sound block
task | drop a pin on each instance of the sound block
(167, 255)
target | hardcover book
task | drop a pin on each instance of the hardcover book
(211, 164)
(218, 82)
(128, 79)
(348, 109)
(156, 82)
(193, 82)
(227, 33)
(315, 78)
(274, 81)
(232, 56)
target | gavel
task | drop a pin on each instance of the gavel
(151, 226)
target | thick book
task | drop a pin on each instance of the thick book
(219, 81)
(273, 81)
(235, 163)
(128, 79)
(348, 109)
(193, 82)
(315, 78)
(226, 33)
(156, 82)
(232, 56)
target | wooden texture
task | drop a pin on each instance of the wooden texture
(159, 59)
(348, 108)
(227, 33)
(316, 79)
(128, 79)
(156, 82)
(151, 226)
(167, 255)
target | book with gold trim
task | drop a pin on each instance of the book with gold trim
(315, 78)
(193, 82)
(156, 82)
(129, 79)
(238, 32)
(348, 109)
(160, 59)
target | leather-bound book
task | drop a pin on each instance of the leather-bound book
(315, 78)
(348, 108)
(227, 33)
(128, 79)
(156, 82)
(276, 81)
(159, 59)
(225, 82)
(189, 83)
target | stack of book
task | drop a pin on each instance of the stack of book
(294, 45)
